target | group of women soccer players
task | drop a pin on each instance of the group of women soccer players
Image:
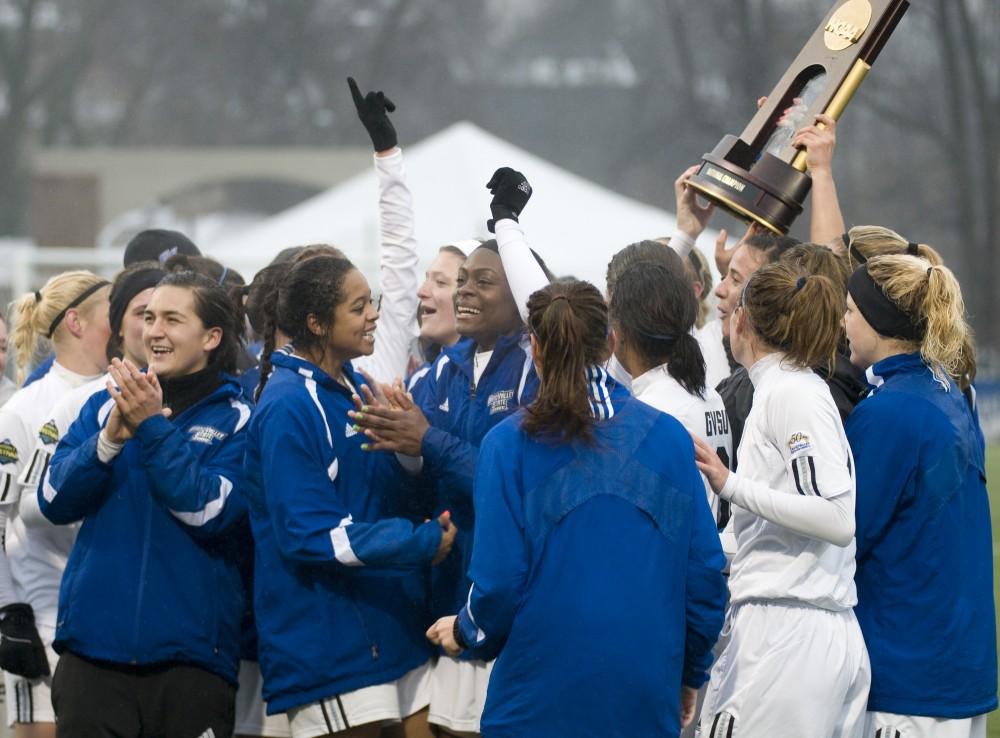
(558, 525)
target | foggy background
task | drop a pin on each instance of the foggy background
(621, 92)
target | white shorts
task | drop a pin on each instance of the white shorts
(888, 725)
(251, 713)
(380, 703)
(788, 670)
(458, 693)
(30, 700)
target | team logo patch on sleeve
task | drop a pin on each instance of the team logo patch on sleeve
(8, 452)
(49, 433)
(798, 442)
(499, 402)
(205, 434)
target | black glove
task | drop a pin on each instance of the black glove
(511, 193)
(21, 648)
(372, 110)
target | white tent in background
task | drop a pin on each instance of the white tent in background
(573, 223)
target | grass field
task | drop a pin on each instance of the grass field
(993, 483)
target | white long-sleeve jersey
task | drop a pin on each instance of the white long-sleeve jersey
(36, 550)
(60, 418)
(705, 418)
(793, 498)
(524, 274)
(399, 276)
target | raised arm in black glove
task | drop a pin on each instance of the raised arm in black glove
(373, 110)
(511, 193)
(21, 648)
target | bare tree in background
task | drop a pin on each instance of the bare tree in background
(662, 83)
(45, 47)
(972, 146)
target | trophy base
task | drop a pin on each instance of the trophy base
(767, 190)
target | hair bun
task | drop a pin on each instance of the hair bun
(178, 263)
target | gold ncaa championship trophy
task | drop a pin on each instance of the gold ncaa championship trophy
(759, 176)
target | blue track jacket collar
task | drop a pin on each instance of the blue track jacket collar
(288, 360)
(462, 353)
(900, 364)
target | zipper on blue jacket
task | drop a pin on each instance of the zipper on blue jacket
(142, 576)
(373, 647)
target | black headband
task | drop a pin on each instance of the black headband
(882, 314)
(79, 299)
(127, 287)
(852, 249)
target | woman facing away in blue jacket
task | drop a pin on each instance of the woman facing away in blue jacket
(150, 604)
(339, 572)
(473, 385)
(597, 572)
(924, 558)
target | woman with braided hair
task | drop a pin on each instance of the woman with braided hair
(70, 310)
(924, 578)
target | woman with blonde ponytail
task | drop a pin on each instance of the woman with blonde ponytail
(924, 578)
(865, 242)
(71, 311)
(792, 578)
(593, 537)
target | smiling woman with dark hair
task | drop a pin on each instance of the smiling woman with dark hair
(158, 489)
(471, 387)
(334, 552)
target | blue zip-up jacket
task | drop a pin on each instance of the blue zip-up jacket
(925, 549)
(460, 414)
(154, 575)
(339, 582)
(597, 575)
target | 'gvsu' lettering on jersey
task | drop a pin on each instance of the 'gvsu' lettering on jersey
(716, 423)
